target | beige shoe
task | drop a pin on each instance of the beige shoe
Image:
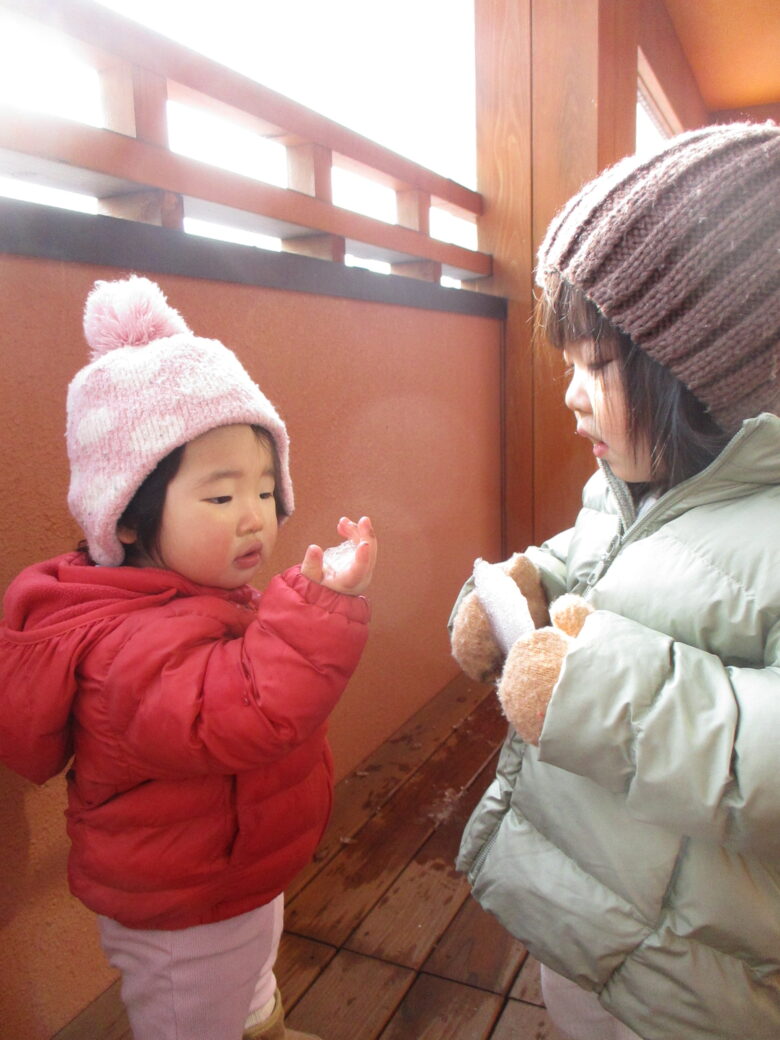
(274, 1029)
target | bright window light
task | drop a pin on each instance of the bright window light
(368, 64)
(377, 266)
(223, 233)
(210, 139)
(361, 195)
(448, 228)
(39, 73)
(26, 191)
(341, 66)
(650, 134)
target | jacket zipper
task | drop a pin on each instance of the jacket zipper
(630, 529)
(483, 853)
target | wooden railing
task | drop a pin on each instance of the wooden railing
(130, 168)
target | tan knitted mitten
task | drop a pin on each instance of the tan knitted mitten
(533, 666)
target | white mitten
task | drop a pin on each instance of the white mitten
(505, 605)
(482, 631)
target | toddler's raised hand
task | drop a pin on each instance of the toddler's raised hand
(348, 567)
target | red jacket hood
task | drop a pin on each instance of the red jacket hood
(67, 590)
(53, 612)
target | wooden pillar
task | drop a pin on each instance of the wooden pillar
(503, 104)
(149, 206)
(425, 270)
(414, 210)
(309, 171)
(323, 247)
(134, 103)
(556, 96)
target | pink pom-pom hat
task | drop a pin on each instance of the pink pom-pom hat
(150, 387)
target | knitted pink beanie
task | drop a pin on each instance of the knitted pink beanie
(681, 250)
(151, 386)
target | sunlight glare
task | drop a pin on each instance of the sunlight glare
(223, 233)
(39, 73)
(210, 139)
(26, 191)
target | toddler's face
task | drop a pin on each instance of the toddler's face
(595, 395)
(219, 521)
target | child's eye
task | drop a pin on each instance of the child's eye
(599, 366)
(266, 494)
(220, 500)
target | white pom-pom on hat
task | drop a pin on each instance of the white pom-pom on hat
(129, 313)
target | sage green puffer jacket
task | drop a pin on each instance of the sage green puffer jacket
(637, 850)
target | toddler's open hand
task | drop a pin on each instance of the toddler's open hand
(346, 568)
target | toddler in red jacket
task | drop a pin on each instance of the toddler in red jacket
(193, 708)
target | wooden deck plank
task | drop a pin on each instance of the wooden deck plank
(353, 999)
(364, 791)
(477, 951)
(104, 1019)
(402, 817)
(437, 1009)
(410, 918)
(525, 1022)
(528, 984)
(299, 962)
(337, 899)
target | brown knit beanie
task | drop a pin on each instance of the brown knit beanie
(681, 251)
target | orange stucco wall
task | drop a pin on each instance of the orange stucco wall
(392, 411)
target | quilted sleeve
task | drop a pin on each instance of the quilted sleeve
(37, 685)
(689, 740)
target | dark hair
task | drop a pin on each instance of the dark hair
(683, 437)
(143, 514)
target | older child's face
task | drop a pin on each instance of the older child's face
(595, 395)
(219, 521)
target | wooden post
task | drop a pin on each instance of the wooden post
(425, 270)
(309, 171)
(413, 209)
(503, 102)
(134, 103)
(583, 121)
(323, 247)
(152, 206)
(556, 97)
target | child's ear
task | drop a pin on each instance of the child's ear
(126, 535)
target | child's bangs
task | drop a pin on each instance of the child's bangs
(566, 315)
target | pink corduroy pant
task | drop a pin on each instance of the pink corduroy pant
(197, 983)
(577, 1013)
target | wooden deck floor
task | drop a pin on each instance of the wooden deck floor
(382, 939)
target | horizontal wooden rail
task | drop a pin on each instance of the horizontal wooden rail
(286, 119)
(109, 165)
(130, 168)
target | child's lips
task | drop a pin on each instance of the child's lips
(600, 448)
(250, 558)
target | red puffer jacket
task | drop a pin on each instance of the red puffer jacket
(201, 779)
